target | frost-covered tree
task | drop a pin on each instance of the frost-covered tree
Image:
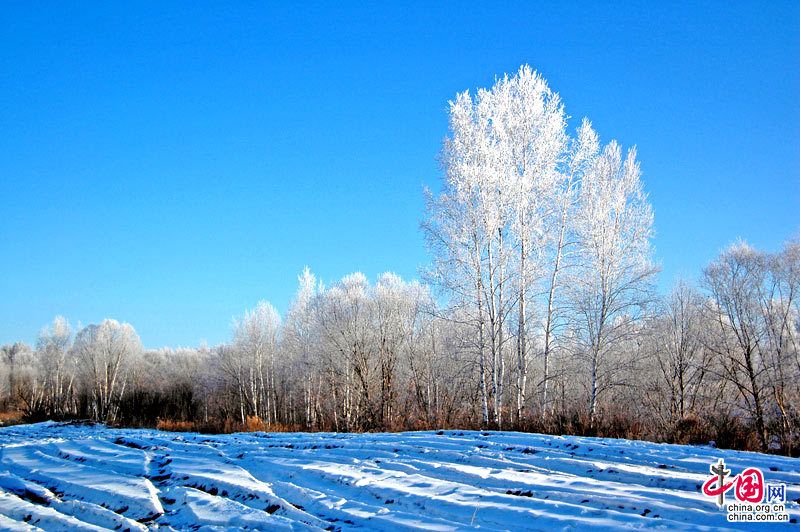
(755, 308)
(488, 227)
(464, 228)
(357, 348)
(398, 317)
(299, 343)
(20, 379)
(779, 299)
(104, 353)
(520, 204)
(560, 251)
(349, 351)
(56, 367)
(528, 142)
(681, 362)
(733, 281)
(249, 363)
(611, 283)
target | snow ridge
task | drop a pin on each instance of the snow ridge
(87, 477)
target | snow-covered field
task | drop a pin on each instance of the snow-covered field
(76, 477)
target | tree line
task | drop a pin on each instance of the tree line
(538, 312)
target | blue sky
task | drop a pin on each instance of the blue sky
(170, 166)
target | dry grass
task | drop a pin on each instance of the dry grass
(175, 426)
(256, 424)
(10, 417)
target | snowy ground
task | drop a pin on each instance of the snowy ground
(73, 477)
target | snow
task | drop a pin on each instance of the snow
(87, 477)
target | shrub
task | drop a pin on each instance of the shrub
(175, 426)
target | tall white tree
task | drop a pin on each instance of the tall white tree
(57, 368)
(300, 343)
(104, 352)
(561, 241)
(527, 136)
(251, 362)
(612, 284)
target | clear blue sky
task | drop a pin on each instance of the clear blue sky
(171, 166)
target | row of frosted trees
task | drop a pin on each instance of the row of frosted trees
(719, 362)
(44, 381)
(538, 312)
